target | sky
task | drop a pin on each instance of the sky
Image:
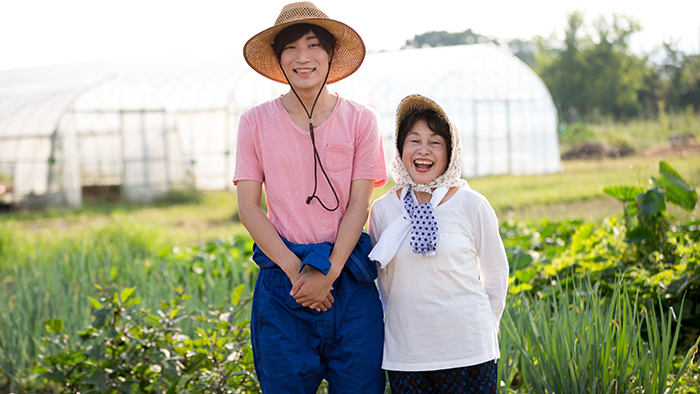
(47, 32)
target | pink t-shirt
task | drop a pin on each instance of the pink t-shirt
(273, 150)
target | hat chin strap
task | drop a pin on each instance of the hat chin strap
(317, 158)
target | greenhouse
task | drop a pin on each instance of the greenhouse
(503, 111)
(138, 129)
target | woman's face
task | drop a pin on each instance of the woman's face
(424, 153)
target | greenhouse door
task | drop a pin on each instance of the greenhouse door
(492, 145)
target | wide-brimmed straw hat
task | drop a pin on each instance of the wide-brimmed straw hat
(349, 54)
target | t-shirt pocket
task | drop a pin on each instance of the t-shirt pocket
(338, 157)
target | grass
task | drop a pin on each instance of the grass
(577, 191)
(574, 193)
(643, 135)
(65, 252)
(212, 216)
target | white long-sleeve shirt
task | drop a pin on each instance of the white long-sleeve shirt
(443, 311)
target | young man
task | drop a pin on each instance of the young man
(316, 311)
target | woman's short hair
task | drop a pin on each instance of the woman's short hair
(294, 32)
(436, 123)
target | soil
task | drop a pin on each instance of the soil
(676, 151)
(596, 151)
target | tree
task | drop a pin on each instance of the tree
(524, 50)
(443, 38)
(690, 82)
(591, 77)
(562, 71)
(613, 75)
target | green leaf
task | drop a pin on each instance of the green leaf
(129, 386)
(677, 190)
(87, 333)
(95, 304)
(520, 287)
(221, 342)
(39, 369)
(54, 326)
(174, 312)
(96, 378)
(55, 376)
(236, 295)
(100, 316)
(133, 301)
(624, 193)
(580, 236)
(651, 203)
(152, 319)
(639, 234)
(525, 276)
(520, 260)
(96, 352)
(127, 293)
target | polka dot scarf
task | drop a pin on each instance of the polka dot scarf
(424, 227)
(418, 220)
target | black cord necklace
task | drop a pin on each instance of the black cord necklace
(317, 158)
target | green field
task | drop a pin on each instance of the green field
(51, 260)
(574, 193)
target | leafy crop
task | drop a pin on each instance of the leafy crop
(129, 350)
(645, 213)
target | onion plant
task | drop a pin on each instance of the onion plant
(574, 341)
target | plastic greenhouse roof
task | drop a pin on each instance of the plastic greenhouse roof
(474, 72)
(32, 101)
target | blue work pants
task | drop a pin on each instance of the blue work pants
(295, 347)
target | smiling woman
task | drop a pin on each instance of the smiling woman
(443, 268)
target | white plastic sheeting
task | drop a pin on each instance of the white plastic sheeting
(63, 128)
(153, 125)
(503, 111)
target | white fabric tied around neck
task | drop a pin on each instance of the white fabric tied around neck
(391, 239)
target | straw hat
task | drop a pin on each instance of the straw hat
(415, 102)
(348, 56)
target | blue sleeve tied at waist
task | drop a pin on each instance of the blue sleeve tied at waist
(360, 267)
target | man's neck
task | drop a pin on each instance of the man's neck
(324, 107)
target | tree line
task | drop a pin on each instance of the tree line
(593, 73)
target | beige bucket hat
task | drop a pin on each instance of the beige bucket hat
(349, 54)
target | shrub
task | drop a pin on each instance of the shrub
(645, 213)
(129, 350)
